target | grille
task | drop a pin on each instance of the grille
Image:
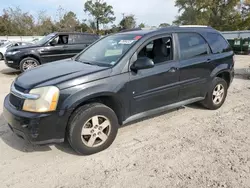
(16, 101)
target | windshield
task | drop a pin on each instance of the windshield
(45, 39)
(108, 50)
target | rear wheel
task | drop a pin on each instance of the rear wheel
(1, 56)
(28, 63)
(216, 95)
(92, 128)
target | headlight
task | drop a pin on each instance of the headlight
(45, 103)
(12, 53)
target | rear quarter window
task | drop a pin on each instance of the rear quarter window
(217, 43)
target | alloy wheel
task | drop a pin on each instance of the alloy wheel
(29, 64)
(96, 131)
(218, 94)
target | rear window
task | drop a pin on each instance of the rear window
(217, 43)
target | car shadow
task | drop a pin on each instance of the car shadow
(10, 71)
(17, 143)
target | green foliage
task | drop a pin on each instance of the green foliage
(128, 22)
(141, 25)
(164, 25)
(69, 22)
(219, 14)
(101, 12)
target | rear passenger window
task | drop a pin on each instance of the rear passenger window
(81, 39)
(217, 43)
(192, 45)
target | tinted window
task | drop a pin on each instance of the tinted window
(192, 45)
(81, 39)
(217, 43)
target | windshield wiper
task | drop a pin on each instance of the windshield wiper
(86, 62)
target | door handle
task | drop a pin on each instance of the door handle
(208, 60)
(173, 69)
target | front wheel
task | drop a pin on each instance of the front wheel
(92, 128)
(1, 56)
(28, 63)
(217, 94)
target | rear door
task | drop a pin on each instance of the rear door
(195, 67)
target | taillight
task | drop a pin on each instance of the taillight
(233, 60)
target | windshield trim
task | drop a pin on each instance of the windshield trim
(76, 58)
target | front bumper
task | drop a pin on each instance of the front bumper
(12, 61)
(37, 128)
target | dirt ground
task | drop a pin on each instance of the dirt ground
(191, 147)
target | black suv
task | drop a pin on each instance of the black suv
(55, 46)
(118, 79)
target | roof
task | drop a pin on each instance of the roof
(68, 33)
(139, 31)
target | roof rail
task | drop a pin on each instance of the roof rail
(194, 26)
(127, 30)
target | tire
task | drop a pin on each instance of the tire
(1, 56)
(28, 60)
(82, 118)
(209, 101)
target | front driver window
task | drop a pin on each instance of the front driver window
(61, 40)
(159, 50)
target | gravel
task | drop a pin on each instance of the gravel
(188, 147)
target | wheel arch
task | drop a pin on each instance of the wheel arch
(222, 71)
(32, 56)
(107, 98)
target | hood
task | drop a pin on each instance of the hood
(59, 72)
(15, 48)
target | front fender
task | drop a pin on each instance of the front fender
(32, 53)
(81, 94)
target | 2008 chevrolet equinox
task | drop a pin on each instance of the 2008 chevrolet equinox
(119, 78)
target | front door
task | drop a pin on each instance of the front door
(158, 86)
(55, 49)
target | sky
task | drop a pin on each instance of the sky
(150, 12)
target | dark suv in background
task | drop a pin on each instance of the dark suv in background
(118, 79)
(55, 46)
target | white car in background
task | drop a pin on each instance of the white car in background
(7, 45)
(3, 49)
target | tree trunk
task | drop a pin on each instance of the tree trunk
(97, 26)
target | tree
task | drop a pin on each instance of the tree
(101, 11)
(44, 25)
(220, 14)
(69, 22)
(164, 25)
(19, 23)
(141, 25)
(128, 22)
(5, 24)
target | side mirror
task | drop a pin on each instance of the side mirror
(142, 63)
(52, 43)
